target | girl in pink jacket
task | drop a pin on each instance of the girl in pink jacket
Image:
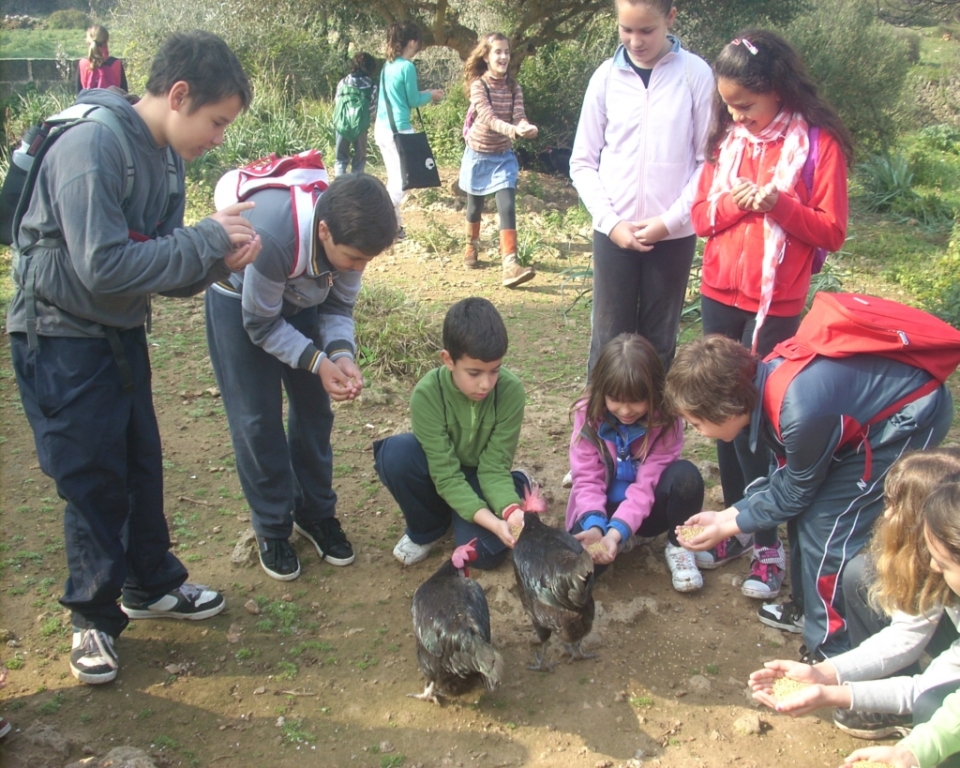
(629, 482)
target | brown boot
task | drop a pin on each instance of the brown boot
(471, 259)
(514, 273)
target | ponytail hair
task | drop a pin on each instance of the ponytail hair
(398, 35)
(97, 38)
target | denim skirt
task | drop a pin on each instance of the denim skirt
(482, 173)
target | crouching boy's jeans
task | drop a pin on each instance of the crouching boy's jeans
(402, 466)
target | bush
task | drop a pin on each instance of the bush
(885, 180)
(555, 80)
(859, 64)
(934, 154)
(68, 19)
(301, 46)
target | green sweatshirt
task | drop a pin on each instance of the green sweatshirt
(934, 741)
(457, 432)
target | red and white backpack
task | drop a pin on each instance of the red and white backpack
(303, 174)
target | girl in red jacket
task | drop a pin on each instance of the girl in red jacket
(764, 215)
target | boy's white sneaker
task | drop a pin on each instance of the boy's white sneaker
(409, 552)
(683, 569)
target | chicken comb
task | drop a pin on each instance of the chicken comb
(533, 501)
(465, 553)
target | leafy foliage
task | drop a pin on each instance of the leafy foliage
(859, 64)
(68, 19)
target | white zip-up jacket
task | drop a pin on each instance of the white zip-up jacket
(639, 150)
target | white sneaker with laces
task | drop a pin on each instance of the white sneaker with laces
(409, 552)
(683, 569)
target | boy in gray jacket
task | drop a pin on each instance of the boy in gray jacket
(286, 323)
(88, 260)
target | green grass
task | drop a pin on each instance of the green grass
(48, 44)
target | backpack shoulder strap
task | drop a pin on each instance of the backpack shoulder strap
(796, 358)
(106, 117)
(813, 155)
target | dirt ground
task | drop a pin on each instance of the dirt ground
(317, 671)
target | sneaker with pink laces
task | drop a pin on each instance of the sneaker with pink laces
(767, 568)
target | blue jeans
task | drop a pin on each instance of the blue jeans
(101, 445)
(402, 467)
(342, 153)
(283, 474)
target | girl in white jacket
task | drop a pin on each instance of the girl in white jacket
(877, 687)
(636, 162)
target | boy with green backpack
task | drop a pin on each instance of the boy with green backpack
(354, 105)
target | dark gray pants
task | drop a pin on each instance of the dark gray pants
(636, 292)
(282, 474)
(739, 466)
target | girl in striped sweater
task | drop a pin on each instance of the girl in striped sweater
(496, 117)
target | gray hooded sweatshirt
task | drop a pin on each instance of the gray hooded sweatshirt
(92, 273)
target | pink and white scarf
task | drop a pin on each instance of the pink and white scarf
(796, 145)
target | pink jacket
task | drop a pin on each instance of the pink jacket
(591, 474)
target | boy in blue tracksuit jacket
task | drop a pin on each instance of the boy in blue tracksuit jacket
(828, 498)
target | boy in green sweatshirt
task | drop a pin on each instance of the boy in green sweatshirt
(456, 465)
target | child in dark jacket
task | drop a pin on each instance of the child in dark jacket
(829, 498)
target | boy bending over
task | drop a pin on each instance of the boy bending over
(828, 498)
(269, 332)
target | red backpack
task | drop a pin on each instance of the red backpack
(844, 324)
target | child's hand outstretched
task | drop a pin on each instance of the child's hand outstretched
(816, 674)
(337, 384)
(591, 536)
(527, 130)
(238, 229)
(352, 371)
(624, 235)
(898, 756)
(717, 526)
(500, 528)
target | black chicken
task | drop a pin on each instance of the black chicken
(452, 624)
(555, 576)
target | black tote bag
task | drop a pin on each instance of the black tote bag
(418, 169)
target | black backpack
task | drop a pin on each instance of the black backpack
(25, 163)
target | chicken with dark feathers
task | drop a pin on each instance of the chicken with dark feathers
(555, 577)
(451, 621)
